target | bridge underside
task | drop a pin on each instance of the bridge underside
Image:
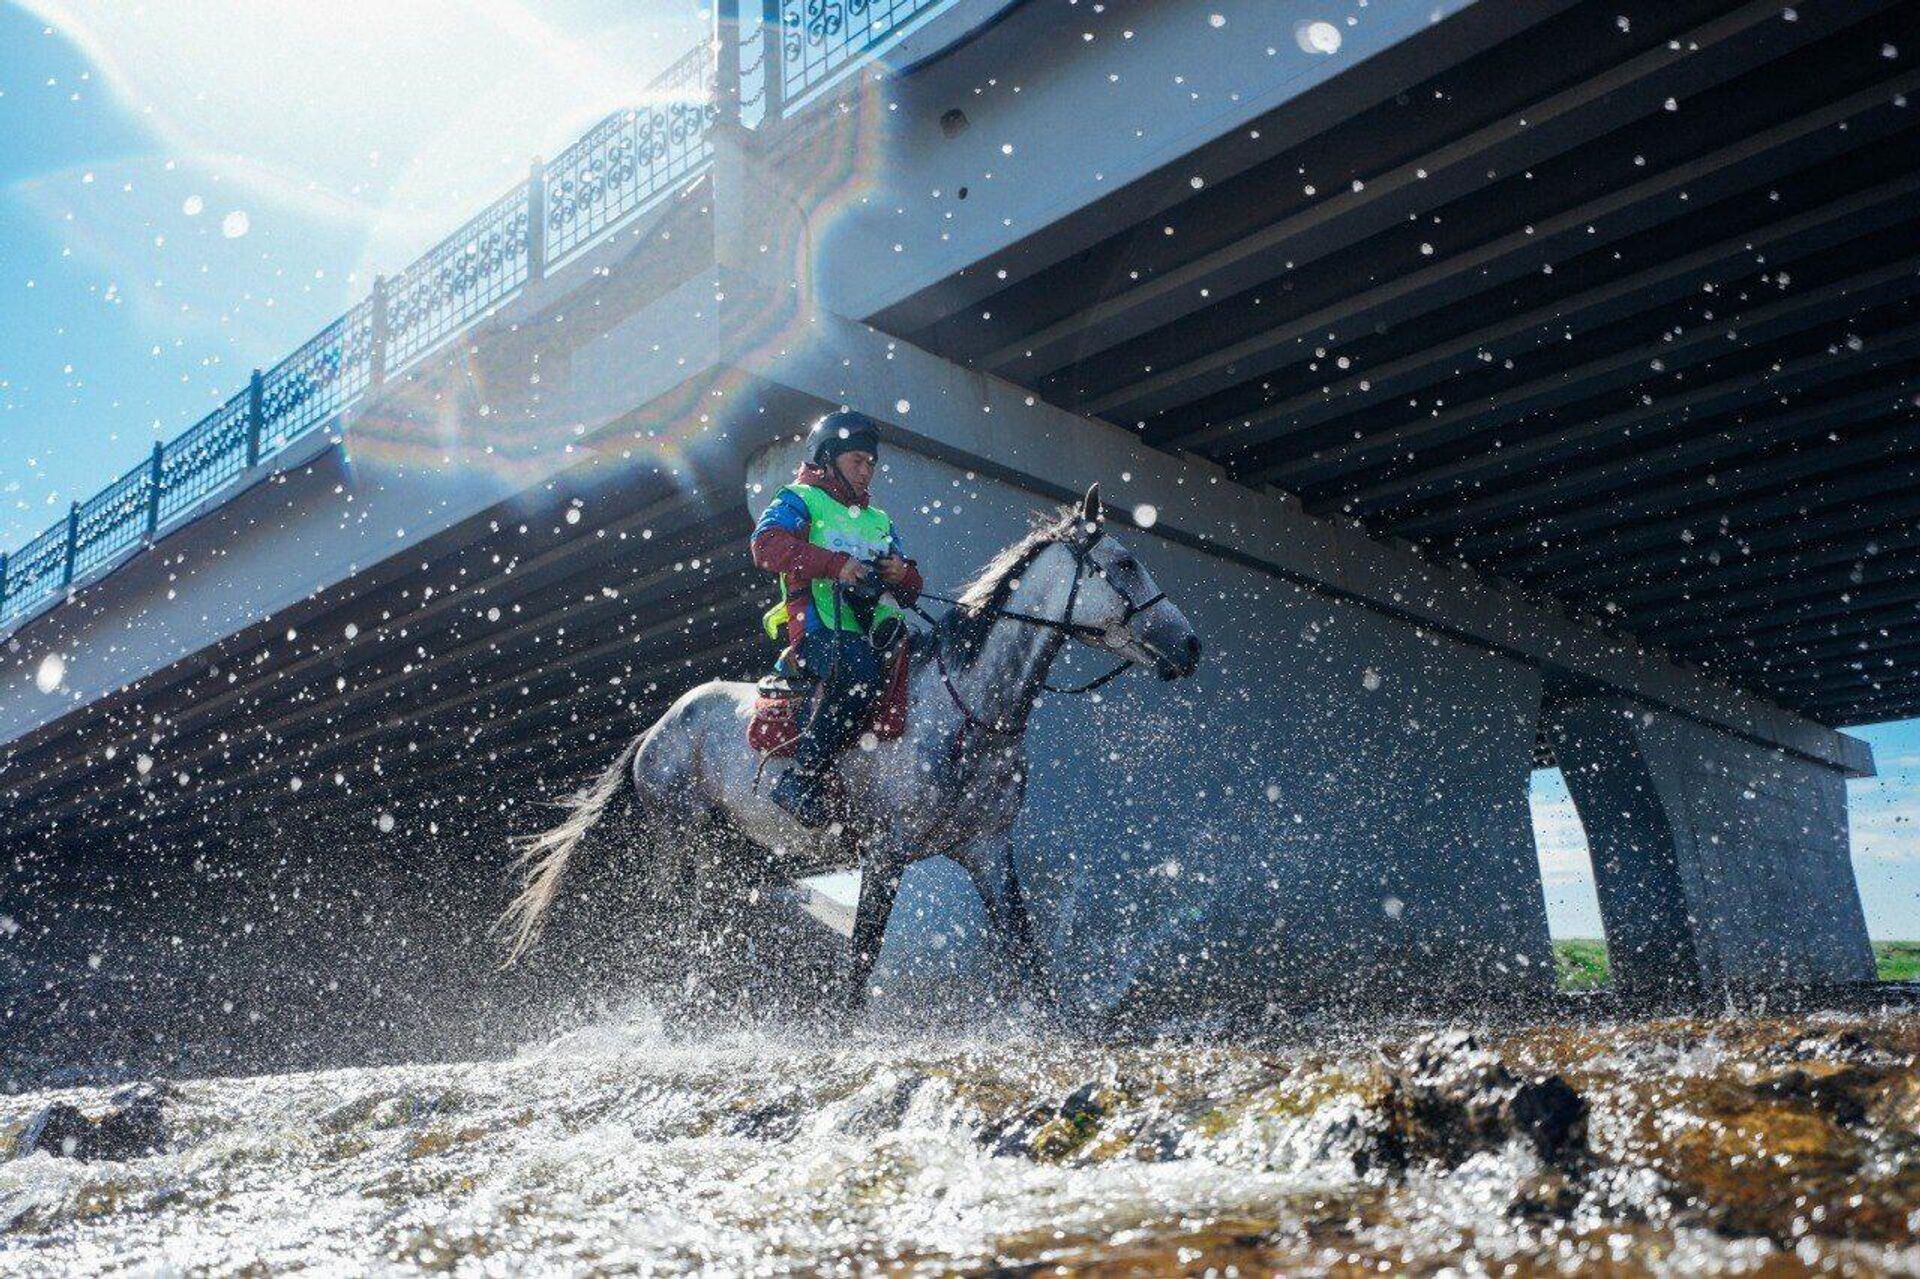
(1654, 363)
(1621, 309)
(491, 666)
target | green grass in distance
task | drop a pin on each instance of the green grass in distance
(1581, 962)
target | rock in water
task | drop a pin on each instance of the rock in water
(135, 1125)
(1451, 1098)
(60, 1129)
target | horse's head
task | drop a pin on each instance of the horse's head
(1118, 598)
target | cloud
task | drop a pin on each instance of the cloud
(398, 120)
(1561, 841)
(1886, 830)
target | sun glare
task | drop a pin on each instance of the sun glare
(401, 117)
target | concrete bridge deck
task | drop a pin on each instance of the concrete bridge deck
(1491, 409)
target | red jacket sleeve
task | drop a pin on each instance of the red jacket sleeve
(778, 551)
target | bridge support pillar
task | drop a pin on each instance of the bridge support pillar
(1719, 864)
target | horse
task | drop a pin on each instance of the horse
(952, 784)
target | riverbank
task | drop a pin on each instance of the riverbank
(1581, 962)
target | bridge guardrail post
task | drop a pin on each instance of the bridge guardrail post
(726, 71)
(773, 52)
(73, 543)
(153, 490)
(3, 585)
(537, 221)
(256, 417)
(377, 354)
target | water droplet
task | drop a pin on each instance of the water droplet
(1319, 36)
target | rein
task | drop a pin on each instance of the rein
(1064, 625)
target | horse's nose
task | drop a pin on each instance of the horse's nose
(1193, 653)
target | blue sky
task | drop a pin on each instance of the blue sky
(190, 188)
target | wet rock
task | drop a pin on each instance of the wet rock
(1449, 1099)
(1845, 1047)
(133, 1126)
(881, 1105)
(1549, 1196)
(1842, 1096)
(1051, 1132)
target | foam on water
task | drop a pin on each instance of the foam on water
(626, 1146)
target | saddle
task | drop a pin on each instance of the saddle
(780, 707)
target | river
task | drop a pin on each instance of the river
(1747, 1145)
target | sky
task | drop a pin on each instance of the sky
(191, 188)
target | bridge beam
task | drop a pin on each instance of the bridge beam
(986, 424)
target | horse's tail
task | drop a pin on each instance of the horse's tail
(543, 858)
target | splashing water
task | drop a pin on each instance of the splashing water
(1714, 1146)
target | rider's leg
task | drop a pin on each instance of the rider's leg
(850, 678)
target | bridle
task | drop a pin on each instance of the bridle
(1084, 565)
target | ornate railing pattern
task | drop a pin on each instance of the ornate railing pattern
(35, 571)
(821, 38)
(112, 520)
(212, 451)
(625, 165)
(631, 159)
(457, 280)
(317, 381)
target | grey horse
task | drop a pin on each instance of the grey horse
(953, 784)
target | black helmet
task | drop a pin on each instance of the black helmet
(842, 431)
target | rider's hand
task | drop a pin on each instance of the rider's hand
(853, 572)
(893, 569)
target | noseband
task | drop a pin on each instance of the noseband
(1083, 566)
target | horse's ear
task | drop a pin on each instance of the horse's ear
(1090, 505)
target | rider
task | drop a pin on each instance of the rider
(826, 540)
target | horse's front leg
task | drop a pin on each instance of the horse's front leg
(880, 874)
(997, 879)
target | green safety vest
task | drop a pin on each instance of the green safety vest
(864, 532)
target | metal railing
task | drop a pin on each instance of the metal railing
(622, 167)
(822, 39)
(630, 160)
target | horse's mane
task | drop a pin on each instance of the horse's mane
(964, 627)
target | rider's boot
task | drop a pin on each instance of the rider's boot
(802, 795)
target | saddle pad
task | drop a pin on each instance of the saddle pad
(775, 725)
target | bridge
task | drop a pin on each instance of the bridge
(1494, 385)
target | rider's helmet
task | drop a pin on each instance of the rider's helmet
(842, 431)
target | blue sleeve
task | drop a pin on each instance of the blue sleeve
(786, 511)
